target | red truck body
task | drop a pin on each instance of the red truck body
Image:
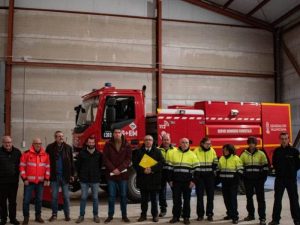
(223, 122)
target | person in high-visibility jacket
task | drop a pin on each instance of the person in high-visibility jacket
(230, 169)
(35, 172)
(165, 147)
(256, 169)
(205, 178)
(182, 162)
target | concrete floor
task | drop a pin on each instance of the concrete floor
(134, 209)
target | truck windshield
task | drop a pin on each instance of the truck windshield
(88, 112)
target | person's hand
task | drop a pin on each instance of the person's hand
(171, 183)
(46, 183)
(147, 170)
(26, 182)
(116, 171)
(192, 184)
(72, 179)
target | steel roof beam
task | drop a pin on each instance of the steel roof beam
(227, 4)
(232, 14)
(259, 6)
(285, 16)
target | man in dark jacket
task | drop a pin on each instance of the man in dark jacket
(148, 179)
(117, 159)
(286, 163)
(61, 173)
(9, 180)
(89, 165)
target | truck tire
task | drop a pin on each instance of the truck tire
(133, 192)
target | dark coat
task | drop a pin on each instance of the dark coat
(89, 166)
(113, 159)
(150, 181)
(9, 165)
(286, 162)
(67, 157)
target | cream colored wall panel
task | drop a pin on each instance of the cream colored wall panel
(192, 58)
(217, 37)
(83, 52)
(32, 130)
(71, 26)
(211, 47)
(183, 89)
(3, 32)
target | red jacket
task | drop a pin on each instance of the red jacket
(35, 166)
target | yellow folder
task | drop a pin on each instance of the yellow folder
(147, 161)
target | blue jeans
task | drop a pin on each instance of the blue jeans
(28, 189)
(112, 190)
(65, 190)
(84, 194)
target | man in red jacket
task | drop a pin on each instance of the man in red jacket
(117, 158)
(35, 172)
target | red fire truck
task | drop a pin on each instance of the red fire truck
(224, 122)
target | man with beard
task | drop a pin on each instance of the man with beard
(88, 165)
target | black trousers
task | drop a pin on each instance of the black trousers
(229, 191)
(206, 183)
(252, 185)
(8, 193)
(145, 195)
(291, 186)
(181, 189)
(163, 196)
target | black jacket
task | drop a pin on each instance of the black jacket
(89, 166)
(67, 157)
(150, 181)
(9, 165)
(286, 162)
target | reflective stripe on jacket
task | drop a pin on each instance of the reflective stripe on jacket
(181, 165)
(230, 167)
(207, 160)
(255, 164)
(35, 166)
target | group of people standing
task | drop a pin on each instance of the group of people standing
(180, 167)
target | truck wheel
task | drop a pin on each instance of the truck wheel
(133, 192)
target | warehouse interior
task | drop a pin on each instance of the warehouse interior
(53, 52)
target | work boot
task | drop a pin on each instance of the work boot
(14, 222)
(96, 219)
(39, 219)
(67, 218)
(155, 219)
(162, 213)
(200, 218)
(249, 218)
(26, 220)
(262, 222)
(210, 218)
(142, 218)
(53, 218)
(3, 222)
(108, 219)
(186, 220)
(125, 219)
(174, 220)
(226, 218)
(80, 219)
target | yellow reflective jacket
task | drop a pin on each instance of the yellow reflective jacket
(230, 168)
(255, 164)
(181, 165)
(208, 162)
